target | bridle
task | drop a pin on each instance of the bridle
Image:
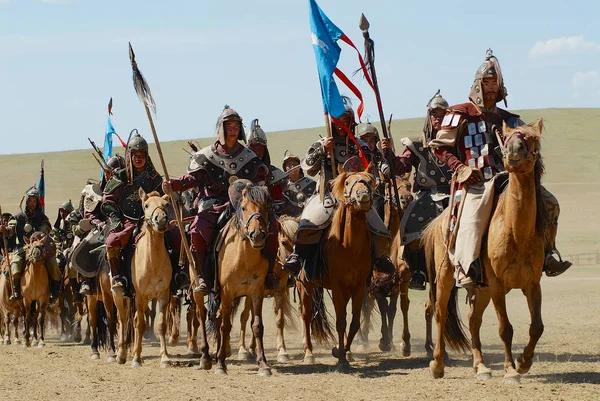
(256, 216)
(523, 138)
(348, 192)
(148, 220)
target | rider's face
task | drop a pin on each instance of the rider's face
(437, 115)
(32, 203)
(294, 175)
(490, 89)
(345, 119)
(138, 157)
(258, 149)
(371, 141)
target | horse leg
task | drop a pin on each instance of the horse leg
(428, 328)
(444, 285)
(6, 322)
(534, 301)
(16, 327)
(41, 321)
(192, 330)
(479, 303)
(225, 330)
(26, 328)
(242, 350)
(87, 340)
(175, 312)
(140, 328)
(258, 331)
(505, 330)
(384, 342)
(163, 304)
(280, 305)
(392, 310)
(404, 306)
(121, 304)
(109, 308)
(357, 302)
(304, 291)
(200, 321)
(92, 318)
(340, 300)
(150, 315)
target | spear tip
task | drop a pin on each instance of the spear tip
(131, 53)
(364, 23)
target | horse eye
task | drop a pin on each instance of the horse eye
(243, 208)
(146, 206)
(346, 183)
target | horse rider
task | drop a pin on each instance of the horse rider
(123, 209)
(256, 140)
(11, 240)
(469, 144)
(89, 208)
(431, 187)
(210, 170)
(63, 236)
(23, 225)
(317, 214)
(297, 189)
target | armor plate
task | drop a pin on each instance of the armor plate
(130, 202)
(276, 176)
(92, 196)
(431, 172)
(419, 212)
(297, 193)
(81, 259)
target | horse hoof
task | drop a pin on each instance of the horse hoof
(434, 373)
(512, 377)
(283, 358)
(349, 356)
(522, 367)
(173, 341)
(220, 371)
(135, 364)
(205, 364)
(95, 356)
(264, 372)
(385, 347)
(243, 355)
(7, 342)
(17, 341)
(77, 338)
(111, 359)
(41, 344)
(335, 352)
(86, 341)
(309, 360)
(165, 364)
(343, 367)
(64, 338)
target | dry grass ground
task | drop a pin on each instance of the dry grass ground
(567, 365)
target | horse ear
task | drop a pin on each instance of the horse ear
(371, 169)
(27, 240)
(166, 197)
(142, 194)
(340, 169)
(538, 125)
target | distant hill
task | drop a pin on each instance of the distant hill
(570, 151)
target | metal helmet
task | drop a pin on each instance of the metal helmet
(137, 142)
(256, 134)
(349, 112)
(67, 206)
(366, 130)
(489, 69)
(33, 192)
(229, 114)
(287, 157)
(117, 161)
(436, 102)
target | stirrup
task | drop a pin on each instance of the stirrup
(202, 287)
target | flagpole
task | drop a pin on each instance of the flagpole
(330, 135)
(143, 91)
(364, 27)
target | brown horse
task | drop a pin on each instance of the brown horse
(35, 285)
(8, 307)
(243, 268)
(347, 254)
(281, 296)
(512, 254)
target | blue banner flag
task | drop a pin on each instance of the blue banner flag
(41, 186)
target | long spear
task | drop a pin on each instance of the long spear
(370, 61)
(143, 91)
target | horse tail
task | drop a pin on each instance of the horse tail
(101, 325)
(320, 326)
(290, 321)
(129, 329)
(368, 307)
(235, 306)
(454, 330)
(212, 331)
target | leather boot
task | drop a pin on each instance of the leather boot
(16, 295)
(75, 289)
(385, 265)
(554, 267)
(199, 259)
(297, 260)
(85, 288)
(119, 282)
(271, 282)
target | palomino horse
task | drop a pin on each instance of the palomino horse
(151, 278)
(243, 268)
(347, 254)
(35, 285)
(512, 254)
(281, 296)
(9, 308)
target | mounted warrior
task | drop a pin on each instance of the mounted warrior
(318, 213)
(23, 225)
(297, 189)
(431, 187)
(210, 170)
(470, 144)
(256, 140)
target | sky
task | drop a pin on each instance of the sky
(62, 60)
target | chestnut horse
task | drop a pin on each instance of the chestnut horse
(281, 296)
(8, 307)
(512, 255)
(347, 254)
(243, 268)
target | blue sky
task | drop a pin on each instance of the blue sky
(61, 61)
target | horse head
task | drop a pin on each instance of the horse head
(35, 247)
(521, 148)
(155, 210)
(355, 189)
(252, 212)
(288, 226)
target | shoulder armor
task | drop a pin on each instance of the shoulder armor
(92, 196)
(276, 176)
(116, 181)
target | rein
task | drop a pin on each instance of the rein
(348, 194)
(256, 216)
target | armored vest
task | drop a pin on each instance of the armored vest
(431, 173)
(312, 161)
(297, 194)
(221, 167)
(26, 225)
(129, 198)
(276, 176)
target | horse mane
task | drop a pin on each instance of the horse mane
(254, 193)
(337, 190)
(289, 226)
(153, 193)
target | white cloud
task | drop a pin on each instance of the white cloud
(586, 86)
(565, 44)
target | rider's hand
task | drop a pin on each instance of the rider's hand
(386, 144)
(328, 144)
(167, 186)
(468, 175)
